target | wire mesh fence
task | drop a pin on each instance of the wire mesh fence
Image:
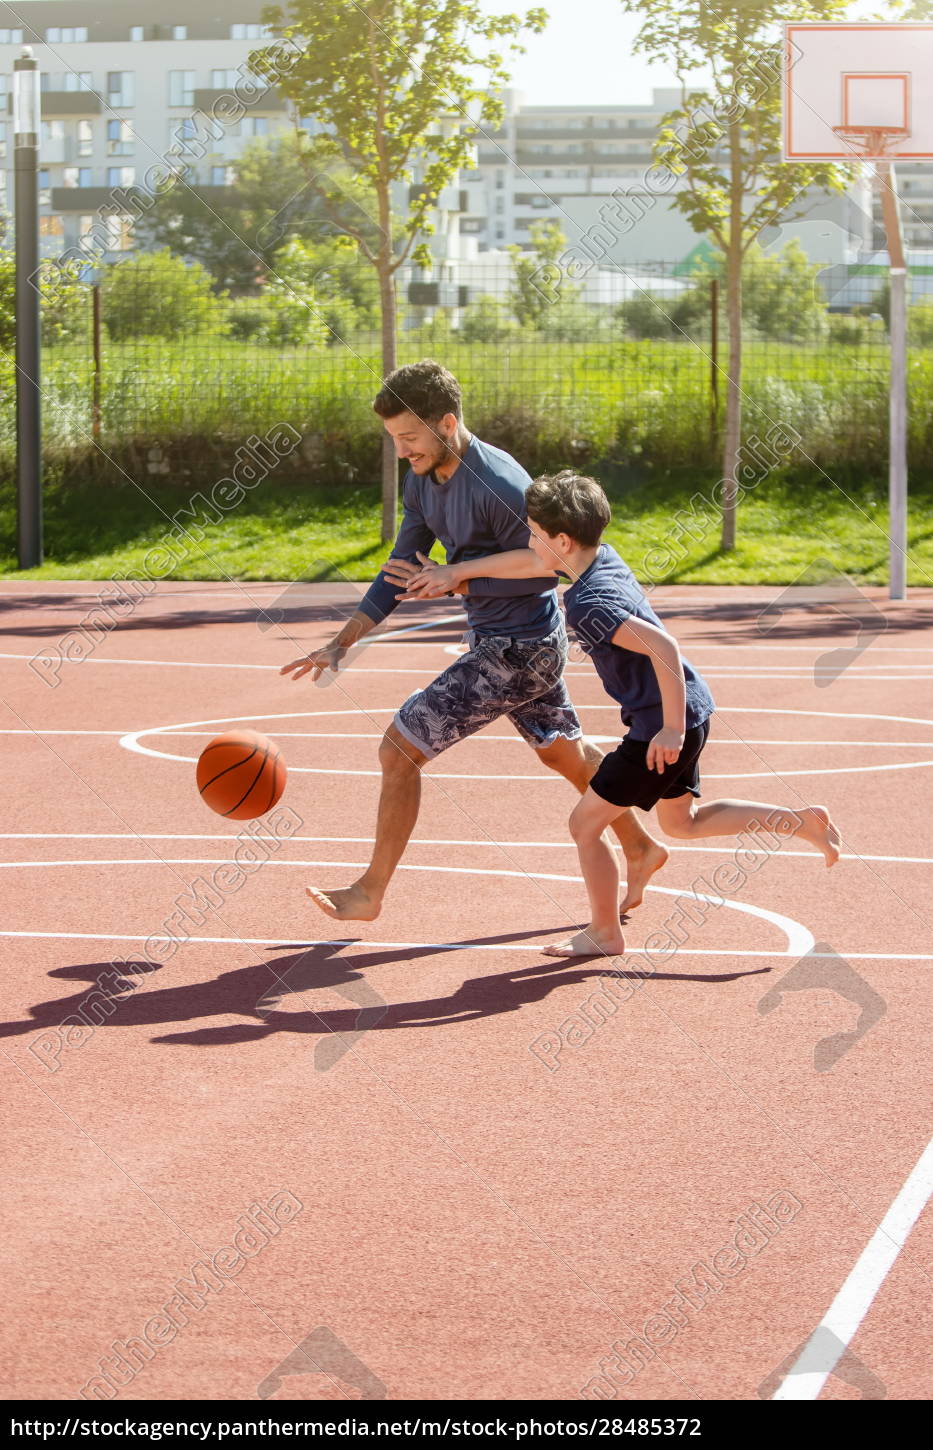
(156, 360)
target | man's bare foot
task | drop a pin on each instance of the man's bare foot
(639, 871)
(589, 943)
(349, 903)
(818, 829)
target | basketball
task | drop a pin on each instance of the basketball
(241, 775)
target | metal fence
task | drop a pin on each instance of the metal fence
(634, 372)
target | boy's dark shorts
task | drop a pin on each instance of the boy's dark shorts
(623, 778)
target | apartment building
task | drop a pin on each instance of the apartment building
(117, 93)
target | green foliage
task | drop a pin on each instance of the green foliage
(486, 320)
(344, 290)
(724, 141)
(7, 300)
(920, 323)
(853, 330)
(648, 316)
(395, 80)
(529, 301)
(570, 320)
(237, 235)
(781, 297)
(157, 295)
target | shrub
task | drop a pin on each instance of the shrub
(157, 295)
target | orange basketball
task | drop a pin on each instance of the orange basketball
(241, 774)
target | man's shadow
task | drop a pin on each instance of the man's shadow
(258, 991)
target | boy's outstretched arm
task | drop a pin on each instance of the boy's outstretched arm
(662, 649)
(437, 579)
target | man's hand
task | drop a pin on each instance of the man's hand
(435, 580)
(328, 657)
(664, 748)
(401, 572)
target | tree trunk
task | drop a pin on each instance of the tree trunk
(733, 433)
(389, 458)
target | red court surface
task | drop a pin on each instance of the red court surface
(417, 1157)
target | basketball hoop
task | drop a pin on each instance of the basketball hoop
(871, 141)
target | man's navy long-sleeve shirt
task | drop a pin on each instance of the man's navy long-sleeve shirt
(479, 510)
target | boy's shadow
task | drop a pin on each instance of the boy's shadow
(257, 991)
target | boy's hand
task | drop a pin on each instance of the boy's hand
(328, 657)
(664, 748)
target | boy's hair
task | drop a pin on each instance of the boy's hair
(569, 503)
(424, 388)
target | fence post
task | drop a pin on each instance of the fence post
(95, 333)
(714, 361)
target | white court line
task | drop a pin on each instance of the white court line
(807, 1376)
(753, 673)
(133, 742)
(481, 738)
(366, 944)
(799, 937)
(491, 845)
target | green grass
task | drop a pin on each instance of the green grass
(636, 413)
(286, 531)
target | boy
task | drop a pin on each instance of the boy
(665, 702)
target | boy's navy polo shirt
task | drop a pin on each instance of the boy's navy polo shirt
(606, 595)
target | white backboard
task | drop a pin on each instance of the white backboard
(857, 75)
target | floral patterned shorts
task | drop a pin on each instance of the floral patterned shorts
(498, 675)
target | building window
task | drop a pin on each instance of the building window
(221, 175)
(45, 197)
(65, 35)
(121, 175)
(119, 232)
(121, 87)
(73, 176)
(53, 131)
(85, 138)
(179, 32)
(181, 85)
(11, 37)
(2, 140)
(250, 32)
(71, 80)
(119, 138)
(51, 226)
(254, 126)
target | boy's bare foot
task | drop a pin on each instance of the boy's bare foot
(817, 828)
(589, 943)
(349, 903)
(639, 870)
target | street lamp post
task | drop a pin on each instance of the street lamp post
(26, 126)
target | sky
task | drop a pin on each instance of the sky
(583, 57)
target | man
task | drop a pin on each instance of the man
(470, 496)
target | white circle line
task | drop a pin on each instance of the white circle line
(132, 741)
(799, 938)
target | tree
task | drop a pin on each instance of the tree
(529, 301)
(157, 295)
(781, 296)
(486, 320)
(237, 236)
(724, 144)
(395, 84)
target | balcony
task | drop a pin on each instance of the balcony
(60, 104)
(267, 103)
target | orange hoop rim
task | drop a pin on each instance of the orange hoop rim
(875, 139)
